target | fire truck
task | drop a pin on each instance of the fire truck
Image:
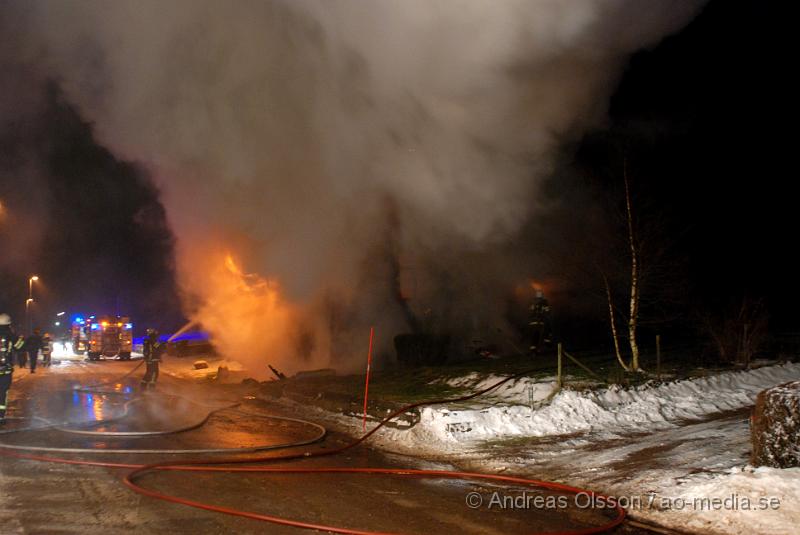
(80, 334)
(106, 336)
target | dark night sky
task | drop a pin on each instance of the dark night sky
(105, 246)
(701, 119)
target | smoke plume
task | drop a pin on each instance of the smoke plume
(330, 165)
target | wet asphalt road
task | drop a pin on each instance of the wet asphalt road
(40, 497)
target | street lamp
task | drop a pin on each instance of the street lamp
(30, 285)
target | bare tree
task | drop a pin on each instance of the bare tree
(612, 315)
(637, 270)
(615, 243)
(633, 318)
(623, 263)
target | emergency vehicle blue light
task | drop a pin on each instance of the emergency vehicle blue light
(95, 326)
(129, 325)
(78, 319)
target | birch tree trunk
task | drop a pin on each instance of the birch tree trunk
(634, 302)
(612, 319)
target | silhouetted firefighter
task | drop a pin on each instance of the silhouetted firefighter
(152, 356)
(539, 323)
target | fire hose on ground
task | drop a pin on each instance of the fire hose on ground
(227, 465)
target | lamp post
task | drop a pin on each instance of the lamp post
(29, 302)
(33, 279)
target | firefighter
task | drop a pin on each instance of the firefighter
(539, 325)
(152, 356)
(33, 344)
(7, 339)
(20, 356)
(47, 349)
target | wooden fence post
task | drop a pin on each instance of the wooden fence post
(560, 353)
(658, 356)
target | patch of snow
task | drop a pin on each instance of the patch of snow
(744, 500)
(523, 390)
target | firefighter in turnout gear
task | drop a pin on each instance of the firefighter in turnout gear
(152, 356)
(7, 339)
(20, 355)
(33, 344)
(539, 325)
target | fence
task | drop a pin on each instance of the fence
(563, 356)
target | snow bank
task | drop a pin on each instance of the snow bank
(685, 455)
(607, 412)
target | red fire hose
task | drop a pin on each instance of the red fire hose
(212, 465)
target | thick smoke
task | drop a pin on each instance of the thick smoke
(328, 165)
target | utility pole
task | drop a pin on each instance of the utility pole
(28, 303)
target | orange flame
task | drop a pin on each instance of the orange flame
(246, 314)
(230, 263)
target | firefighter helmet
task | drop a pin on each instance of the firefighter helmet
(5, 319)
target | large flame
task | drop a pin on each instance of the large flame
(246, 314)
